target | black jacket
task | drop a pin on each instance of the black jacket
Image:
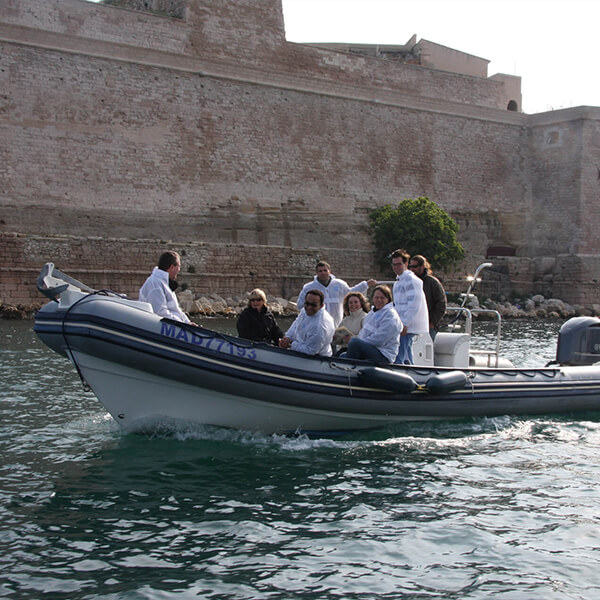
(258, 326)
(436, 298)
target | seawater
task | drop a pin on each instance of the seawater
(479, 508)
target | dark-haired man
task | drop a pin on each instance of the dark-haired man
(312, 331)
(157, 291)
(410, 302)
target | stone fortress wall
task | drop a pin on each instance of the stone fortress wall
(124, 133)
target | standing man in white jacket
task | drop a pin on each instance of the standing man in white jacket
(334, 290)
(312, 331)
(156, 288)
(411, 305)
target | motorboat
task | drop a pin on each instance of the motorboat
(150, 372)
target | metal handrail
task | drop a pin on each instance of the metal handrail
(469, 316)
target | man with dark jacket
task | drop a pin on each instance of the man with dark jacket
(434, 292)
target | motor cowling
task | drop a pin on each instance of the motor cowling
(579, 342)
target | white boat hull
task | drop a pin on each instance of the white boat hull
(145, 402)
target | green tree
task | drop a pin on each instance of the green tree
(420, 227)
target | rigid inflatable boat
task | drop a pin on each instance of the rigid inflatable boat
(151, 372)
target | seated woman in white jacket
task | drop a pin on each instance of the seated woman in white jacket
(379, 338)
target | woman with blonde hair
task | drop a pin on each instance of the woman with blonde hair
(257, 322)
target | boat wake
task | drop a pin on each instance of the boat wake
(457, 434)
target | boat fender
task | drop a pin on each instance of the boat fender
(387, 379)
(444, 383)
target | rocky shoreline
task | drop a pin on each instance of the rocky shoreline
(214, 305)
(538, 307)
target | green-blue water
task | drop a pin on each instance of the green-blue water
(473, 509)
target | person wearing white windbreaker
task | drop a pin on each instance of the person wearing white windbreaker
(379, 338)
(411, 305)
(334, 290)
(312, 331)
(157, 292)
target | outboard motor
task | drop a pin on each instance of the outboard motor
(579, 342)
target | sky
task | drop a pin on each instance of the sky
(553, 45)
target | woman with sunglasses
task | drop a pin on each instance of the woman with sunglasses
(257, 322)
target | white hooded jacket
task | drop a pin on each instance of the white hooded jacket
(312, 334)
(410, 302)
(157, 292)
(382, 328)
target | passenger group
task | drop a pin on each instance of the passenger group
(333, 316)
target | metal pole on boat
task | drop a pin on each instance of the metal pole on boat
(473, 281)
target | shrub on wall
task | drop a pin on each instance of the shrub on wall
(420, 227)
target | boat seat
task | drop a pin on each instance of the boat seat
(452, 350)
